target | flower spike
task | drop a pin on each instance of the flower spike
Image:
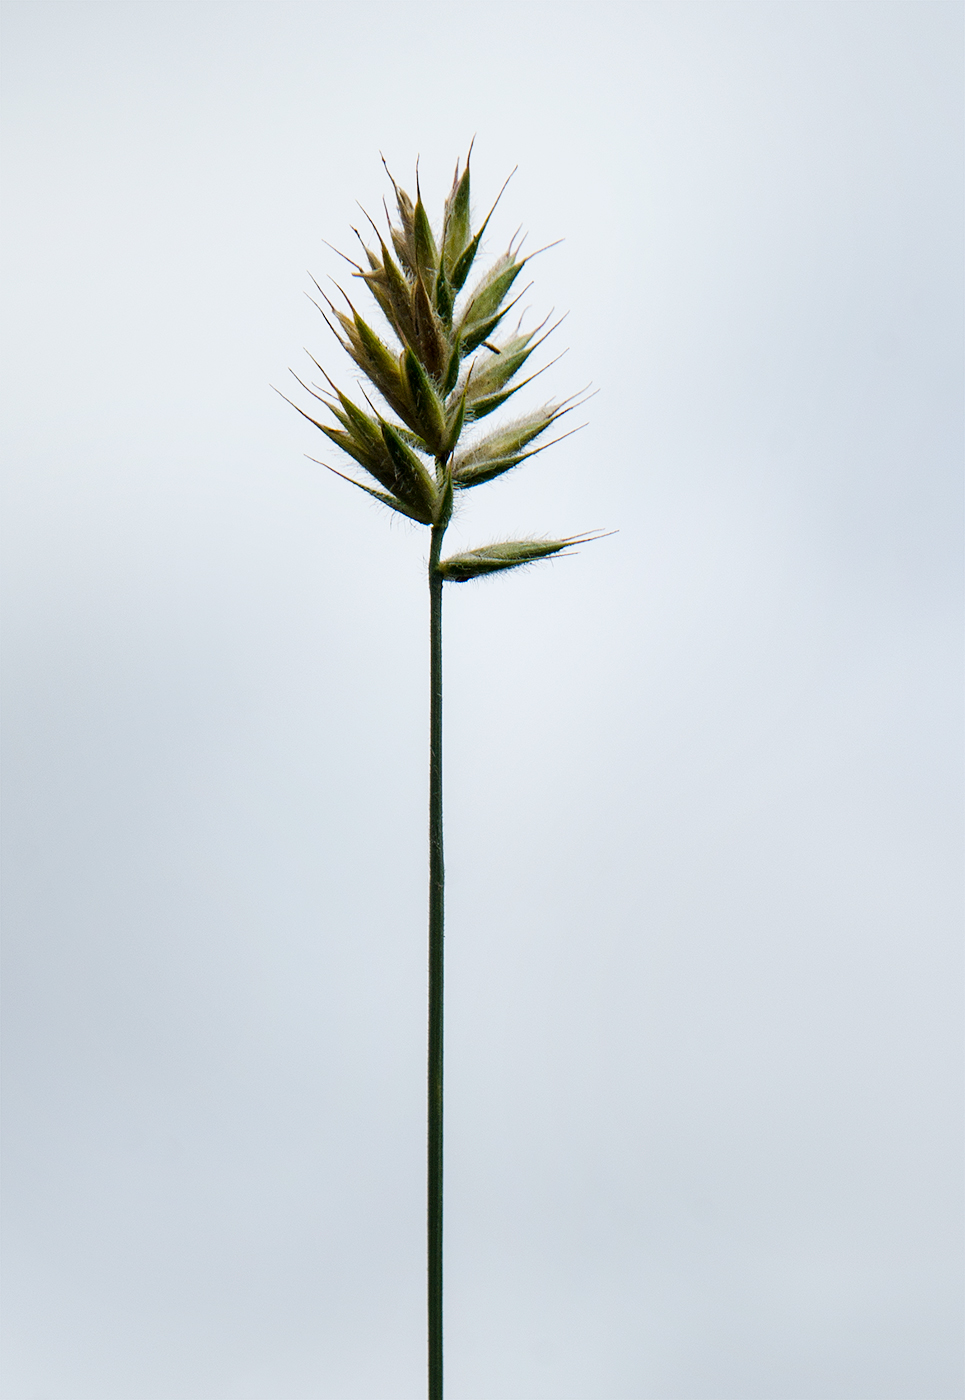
(436, 369)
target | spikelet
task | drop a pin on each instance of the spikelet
(443, 373)
(511, 554)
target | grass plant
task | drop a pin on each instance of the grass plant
(442, 364)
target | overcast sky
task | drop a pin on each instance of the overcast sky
(703, 780)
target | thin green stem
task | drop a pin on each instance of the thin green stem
(436, 966)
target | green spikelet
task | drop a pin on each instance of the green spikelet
(455, 224)
(512, 554)
(505, 448)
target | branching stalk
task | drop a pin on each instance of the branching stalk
(436, 971)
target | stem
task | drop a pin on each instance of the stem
(436, 963)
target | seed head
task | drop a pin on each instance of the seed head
(438, 372)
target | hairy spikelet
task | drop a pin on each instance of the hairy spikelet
(438, 372)
(510, 554)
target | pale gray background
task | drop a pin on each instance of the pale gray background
(703, 781)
